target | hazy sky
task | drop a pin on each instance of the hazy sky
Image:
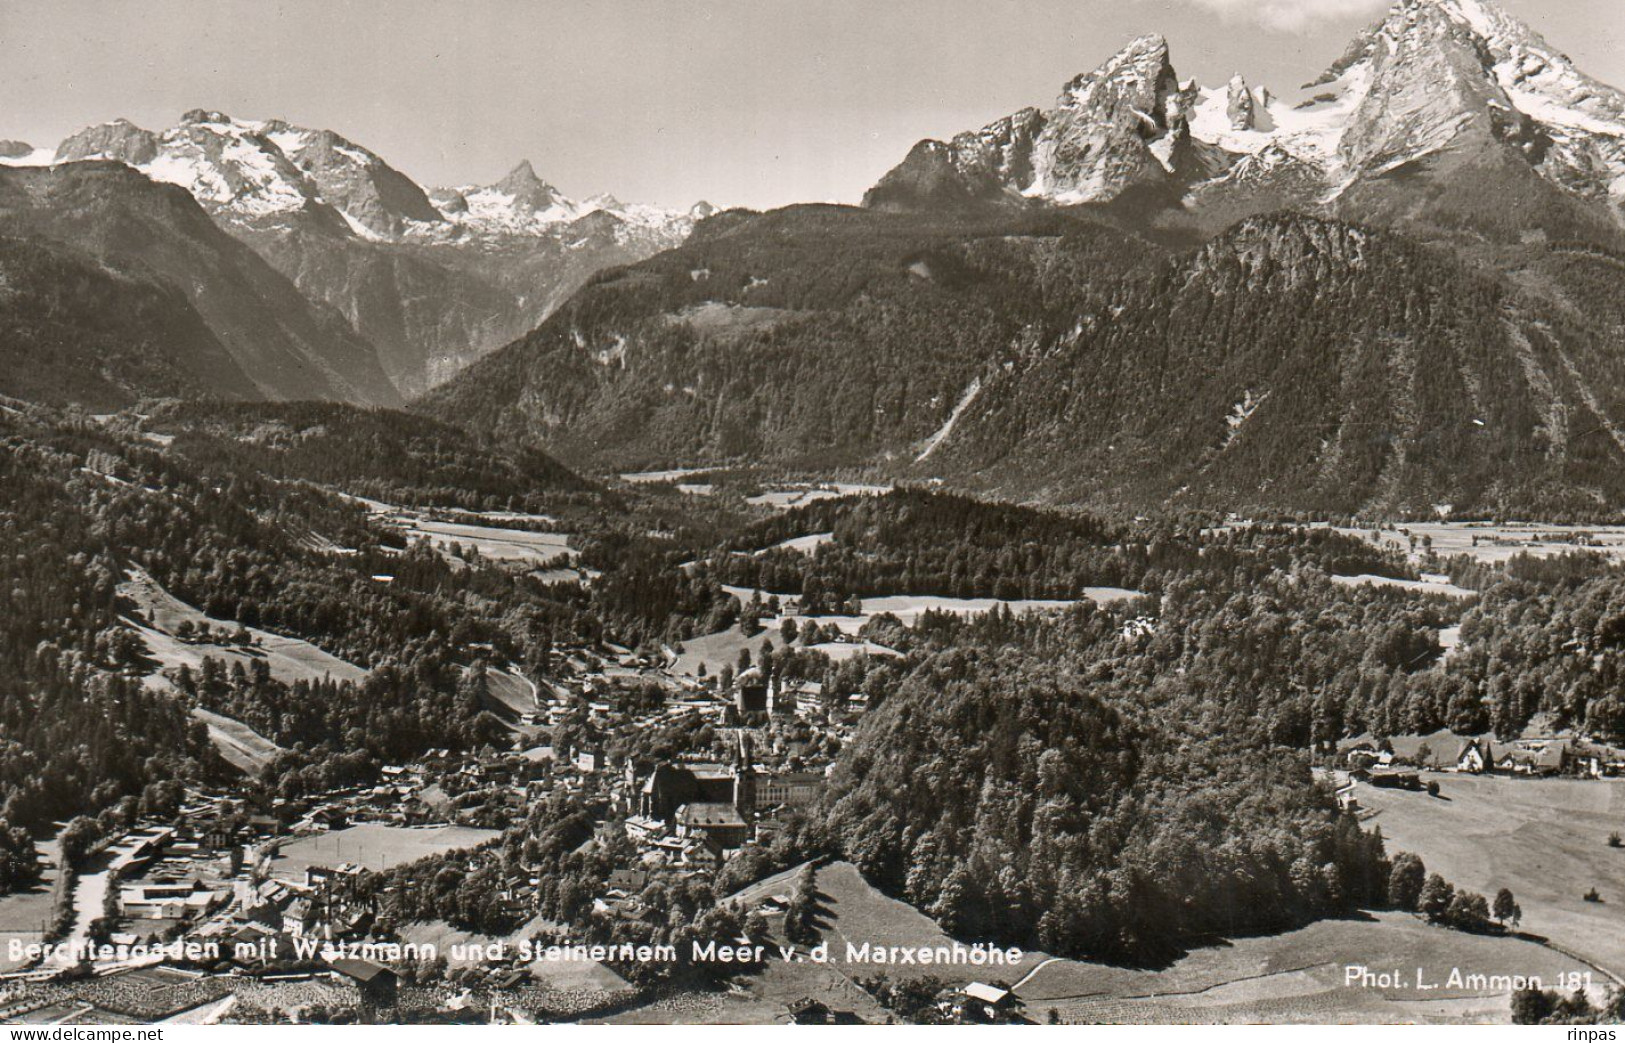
(743, 102)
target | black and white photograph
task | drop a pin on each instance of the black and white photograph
(811, 512)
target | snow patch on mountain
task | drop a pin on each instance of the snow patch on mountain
(250, 171)
(1240, 413)
(33, 157)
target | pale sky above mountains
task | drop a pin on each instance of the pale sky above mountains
(743, 102)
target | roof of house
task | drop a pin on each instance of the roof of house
(360, 970)
(986, 993)
(631, 879)
(704, 815)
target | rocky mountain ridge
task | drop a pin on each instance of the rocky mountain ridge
(1434, 81)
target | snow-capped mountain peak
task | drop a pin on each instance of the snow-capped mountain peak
(229, 167)
(1441, 75)
(1111, 126)
(1431, 78)
(256, 171)
(527, 189)
(522, 204)
(519, 204)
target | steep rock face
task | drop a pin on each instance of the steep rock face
(1113, 128)
(369, 192)
(424, 317)
(1240, 106)
(287, 346)
(930, 177)
(120, 140)
(1427, 92)
(1582, 119)
(1125, 124)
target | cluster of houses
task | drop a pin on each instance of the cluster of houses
(1396, 763)
(976, 1003)
(207, 872)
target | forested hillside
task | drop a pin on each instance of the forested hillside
(376, 453)
(1292, 363)
(915, 541)
(73, 330)
(819, 336)
(86, 505)
(289, 347)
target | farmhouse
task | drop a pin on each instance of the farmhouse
(979, 1003)
(1482, 756)
(1475, 757)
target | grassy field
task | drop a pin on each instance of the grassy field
(376, 847)
(909, 607)
(288, 658)
(1417, 586)
(851, 910)
(664, 477)
(763, 998)
(1301, 977)
(798, 495)
(1497, 543)
(805, 544)
(24, 914)
(722, 649)
(497, 544)
(241, 746)
(1546, 839)
(511, 691)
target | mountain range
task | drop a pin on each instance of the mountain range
(1402, 294)
(430, 279)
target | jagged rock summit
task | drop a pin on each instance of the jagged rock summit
(521, 203)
